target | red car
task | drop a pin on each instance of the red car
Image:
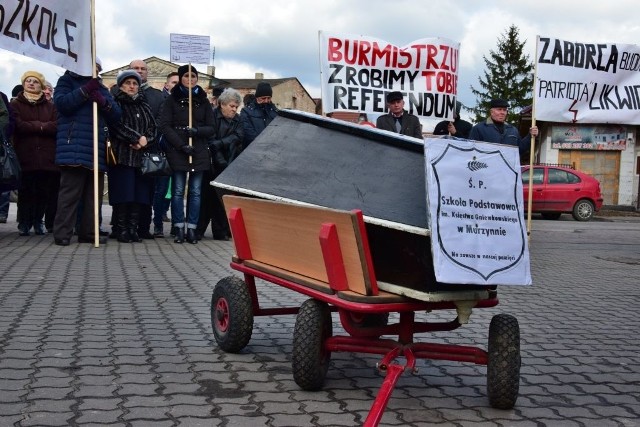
(558, 190)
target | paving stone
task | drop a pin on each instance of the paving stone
(140, 350)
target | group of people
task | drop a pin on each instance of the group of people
(493, 129)
(53, 139)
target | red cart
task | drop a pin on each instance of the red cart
(328, 255)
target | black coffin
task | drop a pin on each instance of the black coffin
(305, 158)
(325, 162)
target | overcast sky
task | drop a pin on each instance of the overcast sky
(279, 38)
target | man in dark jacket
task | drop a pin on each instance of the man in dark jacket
(494, 129)
(73, 97)
(399, 120)
(256, 116)
(458, 127)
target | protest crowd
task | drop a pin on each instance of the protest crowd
(159, 150)
(156, 151)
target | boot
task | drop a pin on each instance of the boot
(144, 221)
(23, 229)
(40, 229)
(179, 235)
(134, 220)
(115, 226)
(191, 236)
(122, 222)
(38, 219)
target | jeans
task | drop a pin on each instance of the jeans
(193, 201)
(160, 204)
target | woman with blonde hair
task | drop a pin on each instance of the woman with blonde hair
(34, 139)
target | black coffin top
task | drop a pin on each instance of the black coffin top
(307, 158)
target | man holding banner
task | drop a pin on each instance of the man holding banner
(496, 130)
(399, 120)
(74, 96)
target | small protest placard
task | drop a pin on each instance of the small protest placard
(475, 205)
(188, 48)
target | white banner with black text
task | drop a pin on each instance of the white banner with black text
(587, 82)
(53, 31)
(476, 215)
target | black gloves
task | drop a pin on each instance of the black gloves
(92, 85)
(215, 145)
(92, 90)
(98, 98)
(189, 131)
(216, 148)
(187, 149)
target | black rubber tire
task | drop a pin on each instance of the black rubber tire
(231, 314)
(551, 215)
(309, 359)
(503, 367)
(583, 210)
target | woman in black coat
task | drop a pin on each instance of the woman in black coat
(187, 151)
(129, 190)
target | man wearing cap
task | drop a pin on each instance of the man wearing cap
(258, 114)
(496, 130)
(399, 120)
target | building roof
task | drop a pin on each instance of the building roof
(251, 83)
(159, 63)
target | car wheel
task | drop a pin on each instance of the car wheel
(583, 210)
(551, 215)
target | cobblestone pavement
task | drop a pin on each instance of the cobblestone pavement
(121, 335)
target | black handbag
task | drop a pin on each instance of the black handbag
(155, 164)
(11, 171)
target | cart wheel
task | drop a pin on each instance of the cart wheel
(231, 314)
(310, 360)
(503, 367)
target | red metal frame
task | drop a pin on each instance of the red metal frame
(363, 339)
